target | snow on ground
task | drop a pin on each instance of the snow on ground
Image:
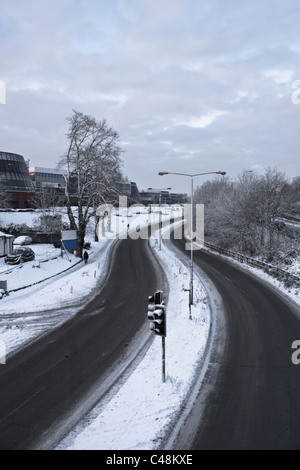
(18, 217)
(30, 217)
(48, 262)
(294, 267)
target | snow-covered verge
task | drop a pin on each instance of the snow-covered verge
(141, 411)
(48, 262)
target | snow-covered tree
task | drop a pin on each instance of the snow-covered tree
(93, 164)
(246, 214)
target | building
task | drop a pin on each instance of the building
(177, 198)
(130, 190)
(47, 177)
(15, 179)
(54, 183)
(134, 192)
(154, 196)
(25, 186)
(50, 181)
(149, 197)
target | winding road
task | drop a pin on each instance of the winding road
(249, 397)
(43, 386)
(251, 389)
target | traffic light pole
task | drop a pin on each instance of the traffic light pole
(163, 343)
(157, 315)
(191, 295)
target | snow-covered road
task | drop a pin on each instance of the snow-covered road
(139, 412)
(143, 400)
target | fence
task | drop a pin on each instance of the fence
(287, 278)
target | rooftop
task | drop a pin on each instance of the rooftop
(39, 169)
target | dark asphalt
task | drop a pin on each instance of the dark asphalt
(255, 403)
(40, 383)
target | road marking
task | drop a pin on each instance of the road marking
(27, 401)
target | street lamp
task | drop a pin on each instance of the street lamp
(160, 211)
(163, 173)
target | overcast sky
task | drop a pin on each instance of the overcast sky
(190, 85)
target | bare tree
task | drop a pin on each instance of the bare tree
(47, 199)
(247, 214)
(295, 191)
(273, 202)
(216, 195)
(94, 165)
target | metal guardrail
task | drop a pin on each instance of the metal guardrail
(287, 278)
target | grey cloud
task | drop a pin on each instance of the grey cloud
(187, 84)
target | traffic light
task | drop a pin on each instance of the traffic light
(158, 325)
(151, 307)
(157, 313)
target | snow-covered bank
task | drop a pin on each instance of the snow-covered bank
(48, 262)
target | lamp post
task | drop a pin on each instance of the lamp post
(191, 176)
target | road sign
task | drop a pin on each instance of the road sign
(69, 239)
